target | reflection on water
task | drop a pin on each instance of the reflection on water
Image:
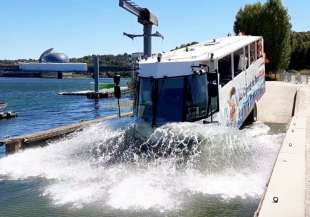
(97, 108)
(187, 170)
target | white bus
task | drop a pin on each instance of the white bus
(220, 80)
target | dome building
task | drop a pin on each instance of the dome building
(49, 56)
(50, 61)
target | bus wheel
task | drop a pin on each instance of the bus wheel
(255, 112)
(252, 116)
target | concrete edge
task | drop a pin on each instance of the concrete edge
(256, 214)
(29, 140)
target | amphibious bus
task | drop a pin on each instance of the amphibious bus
(217, 81)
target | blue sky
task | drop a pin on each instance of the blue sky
(81, 27)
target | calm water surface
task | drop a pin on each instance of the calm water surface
(39, 107)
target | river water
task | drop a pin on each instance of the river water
(39, 107)
(203, 170)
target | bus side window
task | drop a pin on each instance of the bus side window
(224, 67)
(213, 102)
(252, 52)
(240, 62)
(259, 45)
(247, 56)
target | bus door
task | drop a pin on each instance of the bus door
(213, 94)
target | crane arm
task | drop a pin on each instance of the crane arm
(131, 7)
(143, 14)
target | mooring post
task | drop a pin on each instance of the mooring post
(96, 74)
(117, 91)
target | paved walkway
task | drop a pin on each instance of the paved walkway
(278, 101)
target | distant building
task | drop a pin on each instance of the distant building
(49, 56)
(50, 61)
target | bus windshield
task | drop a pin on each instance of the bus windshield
(145, 105)
(175, 99)
(170, 100)
(166, 94)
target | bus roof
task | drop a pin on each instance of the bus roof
(187, 56)
(202, 51)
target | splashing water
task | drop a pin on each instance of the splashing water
(106, 166)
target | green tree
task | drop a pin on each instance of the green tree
(270, 20)
(300, 58)
(185, 45)
(246, 19)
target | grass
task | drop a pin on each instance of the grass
(106, 86)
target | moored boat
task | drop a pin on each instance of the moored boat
(3, 105)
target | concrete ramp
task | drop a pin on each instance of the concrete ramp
(285, 194)
(288, 190)
(277, 103)
(303, 101)
(303, 111)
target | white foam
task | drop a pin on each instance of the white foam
(75, 177)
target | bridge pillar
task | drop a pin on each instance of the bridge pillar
(59, 75)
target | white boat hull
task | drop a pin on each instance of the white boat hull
(2, 106)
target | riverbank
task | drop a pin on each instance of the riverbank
(66, 75)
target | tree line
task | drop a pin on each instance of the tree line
(185, 45)
(300, 58)
(120, 60)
